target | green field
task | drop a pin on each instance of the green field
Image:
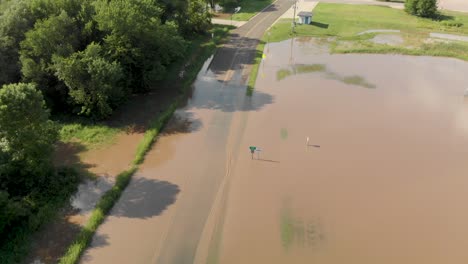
(341, 20)
(339, 25)
(250, 8)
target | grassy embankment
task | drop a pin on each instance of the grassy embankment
(250, 8)
(202, 49)
(339, 24)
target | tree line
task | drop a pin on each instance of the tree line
(80, 57)
(87, 56)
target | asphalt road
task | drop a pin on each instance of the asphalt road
(162, 215)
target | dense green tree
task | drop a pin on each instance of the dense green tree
(173, 9)
(144, 36)
(14, 22)
(27, 138)
(137, 39)
(11, 211)
(55, 36)
(94, 82)
(422, 8)
(227, 4)
(198, 17)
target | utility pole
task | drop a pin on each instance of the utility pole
(294, 17)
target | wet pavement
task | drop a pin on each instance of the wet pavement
(228, 22)
(388, 39)
(456, 5)
(382, 178)
(449, 36)
(162, 217)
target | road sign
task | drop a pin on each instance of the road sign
(258, 152)
(252, 149)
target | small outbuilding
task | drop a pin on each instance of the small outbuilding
(305, 17)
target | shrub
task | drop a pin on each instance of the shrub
(421, 8)
(452, 23)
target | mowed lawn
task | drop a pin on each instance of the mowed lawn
(250, 8)
(343, 23)
(348, 20)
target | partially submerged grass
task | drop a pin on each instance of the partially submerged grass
(256, 65)
(98, 215)
(286, 226)
(283, 73)
(451, 49)
(299, 69)
(358, 81)
(302, 69)
(151, 134)
(90, 135)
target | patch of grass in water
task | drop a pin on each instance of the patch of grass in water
(351, 80)
(284, 133)
(357, 80)
(287, 228)
(90, 135)
(299, 69)
(453, 49)
(254, 72)
(282, 74)
(310, 68)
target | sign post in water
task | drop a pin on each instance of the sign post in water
(258, 153)
(252, 150)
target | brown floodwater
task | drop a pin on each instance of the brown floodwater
(384, 178)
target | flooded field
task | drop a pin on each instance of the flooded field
(383, 177)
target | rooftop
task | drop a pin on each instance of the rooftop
(305, 14)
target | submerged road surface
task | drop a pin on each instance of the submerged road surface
(163, 214)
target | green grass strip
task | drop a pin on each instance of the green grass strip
(255, 67)
(97, 217)
(152, 133)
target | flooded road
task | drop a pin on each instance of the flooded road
(384, 178)
(163, 215)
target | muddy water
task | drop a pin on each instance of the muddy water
(386, 180)
(162, 214)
